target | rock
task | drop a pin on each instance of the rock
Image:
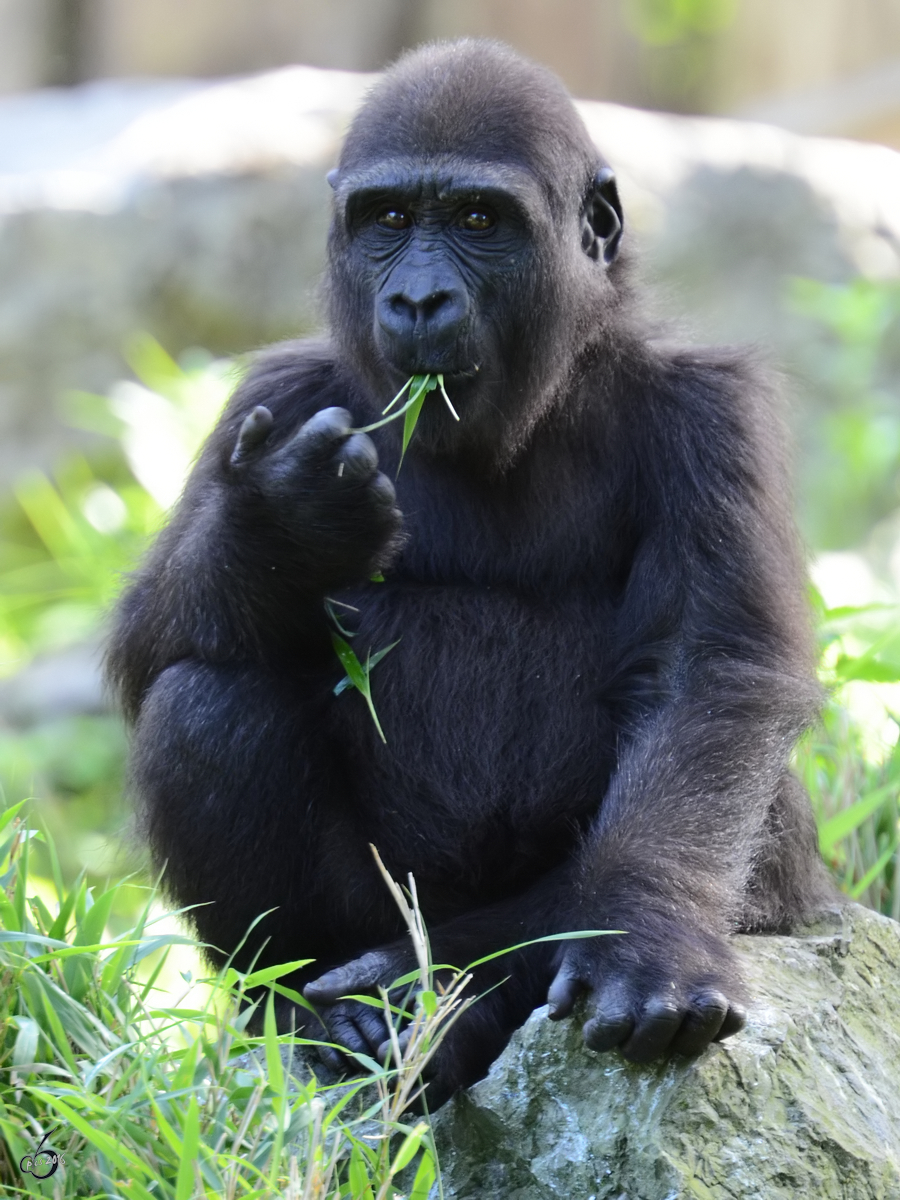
(195, 212)
(803, 1104)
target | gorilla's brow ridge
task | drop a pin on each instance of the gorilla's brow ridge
(451, 179)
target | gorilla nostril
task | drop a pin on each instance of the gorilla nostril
(419, 308)
(433, 303)
(401, 306)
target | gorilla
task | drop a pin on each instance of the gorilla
(591, 586)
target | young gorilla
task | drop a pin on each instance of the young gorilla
(603, 660)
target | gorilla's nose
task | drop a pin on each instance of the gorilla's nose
(425, 313)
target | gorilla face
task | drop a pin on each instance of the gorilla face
(453, 254)
(446, 263)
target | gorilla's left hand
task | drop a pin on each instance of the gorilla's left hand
(476, 1035)
(650, 997)
(356, 1027)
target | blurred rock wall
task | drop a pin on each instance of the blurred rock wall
(198, 212)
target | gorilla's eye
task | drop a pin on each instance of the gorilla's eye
(393, 218)
(475, 219)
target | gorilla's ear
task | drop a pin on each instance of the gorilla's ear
(333, 176)
(601, 219)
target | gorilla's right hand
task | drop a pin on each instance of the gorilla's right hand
(323, 493)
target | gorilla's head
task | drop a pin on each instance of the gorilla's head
(474, 235)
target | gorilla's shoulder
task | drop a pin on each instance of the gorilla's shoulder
(293, 380)
(287, 374)
(703, 383)
(716, 414)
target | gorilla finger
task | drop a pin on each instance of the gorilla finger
(370, 1022)
(702, 1023)
(345, 1030)
(735, 1020)
(654, 1029)
(386, 1048)
(356, 976)
(565, 989)
(332, 1059)
(357, 458)
(254, 430)
(612, 1021)
(319, 437)
(382, 492)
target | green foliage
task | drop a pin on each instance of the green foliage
(667, 22)
(66, 541)
(358, 673)
(852, 445)
(418, 386)
(852, 775)
(144, 1099)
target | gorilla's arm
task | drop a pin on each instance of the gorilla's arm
(684, 822)
(285, 505)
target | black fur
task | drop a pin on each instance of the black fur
(603, 658)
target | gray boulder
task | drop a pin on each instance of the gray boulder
(804, 1103)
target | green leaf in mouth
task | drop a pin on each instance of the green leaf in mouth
(418, 387)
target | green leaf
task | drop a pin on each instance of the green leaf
(291, 994)
(10, 813)
(372, 661)
(870, 670)
(269, 973)
(874, 871)
(409, 1148)
(426, 1176)
(25, 1047)
(358, 1176)
(411, 419)
(550, 937)
(60, 1039)
(184, 1184)
(836, 828)
(108, 1146)
(187, 1068)
(351, 664)
(358, 674)
(406, 385)
(274, 1065)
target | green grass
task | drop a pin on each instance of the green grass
(146, 1097)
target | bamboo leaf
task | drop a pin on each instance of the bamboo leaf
(269, 973)
(351, 664)
(274, 1065)
(184, 1184)
(874, 871)
(409, 1148)
(836, 828)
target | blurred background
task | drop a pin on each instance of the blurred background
(816, 66)
(163, 212)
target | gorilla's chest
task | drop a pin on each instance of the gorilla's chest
(500, 734)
